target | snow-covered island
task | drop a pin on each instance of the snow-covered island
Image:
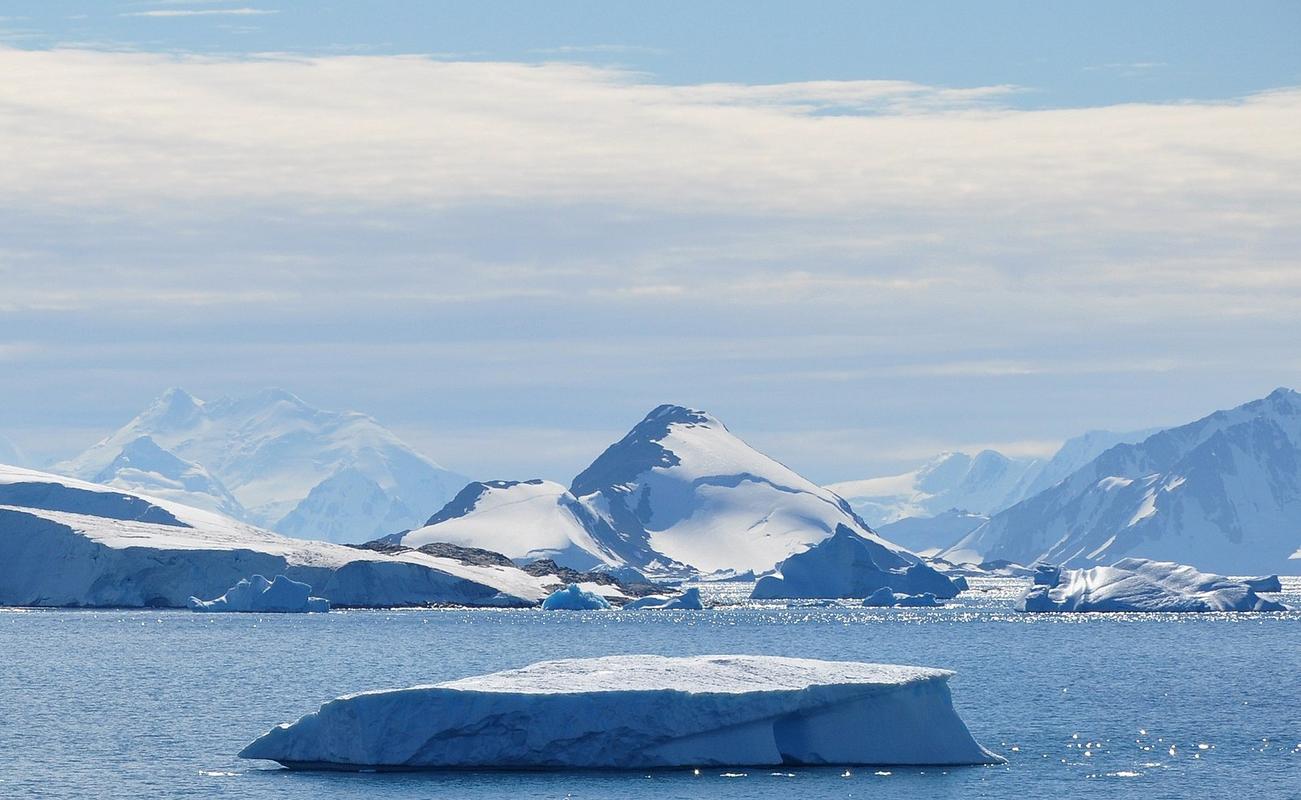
(640, 711)
(1139, 584)
(280, 596)
(850, 565)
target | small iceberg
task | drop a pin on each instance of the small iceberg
(1139, 584)
(846, 565)
(640, 712)
(574, 598)
(886, 598)
(687, 601)
(257, 594)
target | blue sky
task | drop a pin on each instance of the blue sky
(857, 232)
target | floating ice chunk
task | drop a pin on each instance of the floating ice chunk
(687, 601)
(640, 711)
(573, 598)
(1269, 584)
(885, 598)
(849, 565)
(1138, 584)
(281, 595)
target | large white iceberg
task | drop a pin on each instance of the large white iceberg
(640, 711)
(850, 565)
(282, 595)
(687, 601)
(574, 598)
(1139, 584)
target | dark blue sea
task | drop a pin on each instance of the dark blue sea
(148, 704)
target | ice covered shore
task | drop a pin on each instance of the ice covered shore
(640, 711)
(65, 542)
(1138, 584)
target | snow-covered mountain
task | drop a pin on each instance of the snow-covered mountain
(66, 542)
(10, 454)
(679, 494)
(984, 483)
(145, 467)
(336, 476)
(525, 520)
(929, 535)
(1074, 454)
(1222, 494)
(682, 489)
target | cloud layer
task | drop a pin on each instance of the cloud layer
(832, 255)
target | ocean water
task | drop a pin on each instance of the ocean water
(145, 704)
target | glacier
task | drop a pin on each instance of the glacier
(1139, 584)
(847, 565)
(70, 543)
(640, 711)
(574, 598)
(281, 595)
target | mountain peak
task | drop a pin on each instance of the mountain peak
(1284, 398)
(667, 414)
(174, 408)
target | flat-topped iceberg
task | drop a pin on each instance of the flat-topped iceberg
(281, 596)
(687, 601)
(574, 598)
(1139, 584)
(640, 711)
(848, 565)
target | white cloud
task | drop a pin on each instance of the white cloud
(201, 12)
(568, 240)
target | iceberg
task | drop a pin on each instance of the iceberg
(639, 712)
(1139, 584)
(885, 598)
(282, 595)
(574, 598)
(687, 601)
(849, 565)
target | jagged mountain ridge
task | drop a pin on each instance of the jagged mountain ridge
(1222, 493)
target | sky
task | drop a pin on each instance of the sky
(858, 233)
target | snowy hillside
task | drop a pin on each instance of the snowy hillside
(309, 473)
(682, 489)
(987, 482)
(65, 542)
(1222, 494)
(144, 467)
(525, 520)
